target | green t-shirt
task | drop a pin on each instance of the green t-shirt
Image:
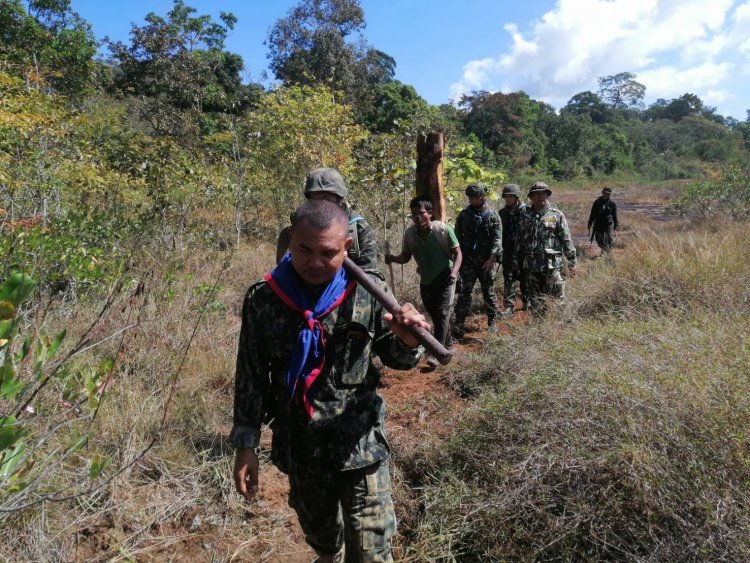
(432, 253)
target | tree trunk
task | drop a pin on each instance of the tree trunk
(429, 181)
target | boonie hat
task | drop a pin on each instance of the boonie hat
(539, 187)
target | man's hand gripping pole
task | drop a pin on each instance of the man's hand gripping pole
(391, 305)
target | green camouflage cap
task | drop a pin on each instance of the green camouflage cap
(476, 189)
(539, 187)
(325, 180)
(607, 190)
(512, 189)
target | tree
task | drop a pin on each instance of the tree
(179, 64)
(507, 125)
(394, 102)
(48, 44)
(588, 103)
(621, 90)
(309, 46)
(293, 130)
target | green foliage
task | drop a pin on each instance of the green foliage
(461, 168)
(621, 90)
(179, 65)
(48, 43)
(728, 197)
(293, 130)
(393, 103)
(309, 47)
(28, 363)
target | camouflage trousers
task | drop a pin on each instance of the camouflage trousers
(512, 282)
(540, 286)
(471, 270)
(346, 507)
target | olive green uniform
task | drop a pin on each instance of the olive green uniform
(544, 239)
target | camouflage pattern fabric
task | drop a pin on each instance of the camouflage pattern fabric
(539, 286)
(472, 270)
(480, 234)
(544, 238)
(510, 217)
(346, 429)
(336, 460)
(364, 496)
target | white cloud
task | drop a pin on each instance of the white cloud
(673, 46)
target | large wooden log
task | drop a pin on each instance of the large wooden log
(429, 181)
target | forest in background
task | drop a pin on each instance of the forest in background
(132, 184)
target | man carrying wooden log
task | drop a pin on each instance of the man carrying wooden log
(304, 363)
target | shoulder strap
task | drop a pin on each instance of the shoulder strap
(353, 232)
(442, 237)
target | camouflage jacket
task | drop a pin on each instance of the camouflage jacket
(543, 239)
(364, 250)
(510, 217)
(346, 429)
(479, 232)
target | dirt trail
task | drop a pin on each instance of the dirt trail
(419, 402)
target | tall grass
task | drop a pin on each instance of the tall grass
(616, 431)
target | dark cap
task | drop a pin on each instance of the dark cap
(607, 190)
(539, 187)
(475, 190)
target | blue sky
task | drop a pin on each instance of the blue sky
(550, 50)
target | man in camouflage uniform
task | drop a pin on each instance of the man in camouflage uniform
(324, 410)
(328, 184)
(544, 239)
(603, 218)
(509, 217)
(479, 232)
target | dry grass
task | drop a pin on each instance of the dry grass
(617, 431)
(178, 498)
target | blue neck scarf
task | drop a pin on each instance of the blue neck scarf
(308, 356)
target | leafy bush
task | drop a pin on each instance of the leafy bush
(728, 197)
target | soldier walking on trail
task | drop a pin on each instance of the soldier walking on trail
(438, 255)
(509, 217)
(603, 218)
(479, 232)
(304, 364)
(544, 239)
(328, 184)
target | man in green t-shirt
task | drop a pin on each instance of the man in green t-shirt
(438, 256)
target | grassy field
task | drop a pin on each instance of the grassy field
(615, 429)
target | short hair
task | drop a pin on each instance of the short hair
(421, 202)
(320, 214)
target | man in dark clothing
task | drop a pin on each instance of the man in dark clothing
(479, 233)
(304, 364)
(509, 217)
(603, 219)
